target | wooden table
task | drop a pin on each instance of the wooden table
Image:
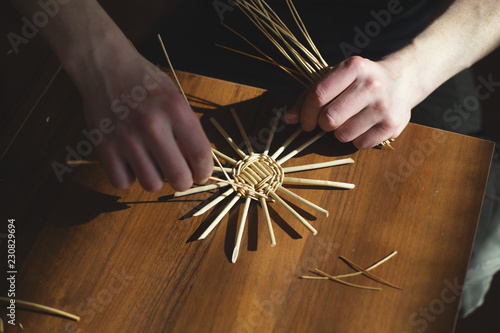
(126, 260)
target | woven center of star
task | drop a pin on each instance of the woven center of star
(258, 174)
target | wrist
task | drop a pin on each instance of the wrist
(417, 73)
(95, 53)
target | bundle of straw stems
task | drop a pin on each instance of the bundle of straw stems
(306, 65)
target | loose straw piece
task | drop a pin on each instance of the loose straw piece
(302, 200)
(375, 265)
(172, 68)
(302, 147)
(359, 272)
(199, 189)
(287, 143)
(220, 216)
(228, 138)
(317, 182)
(80, 162)
(345, 282)
(273, 130)
(214, 202)
(318, 165)
(242, 130)
(241, 228)
(43, 308)
(370, 275)
(294, 213)
(268, 221)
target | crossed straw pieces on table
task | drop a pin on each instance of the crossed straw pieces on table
(360, 271)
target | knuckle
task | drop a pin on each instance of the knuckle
(390, 124)
(355, 63)
(307, 124)
(342, 136)
(383, 107)
(330, 120)
(373, 85)
(320, 95)
(149, 121)
(152, 186)
(180, 180)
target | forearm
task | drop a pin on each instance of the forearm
(78, 32)
(463, 34)
(151, 132)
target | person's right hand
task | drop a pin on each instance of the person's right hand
(152, 132)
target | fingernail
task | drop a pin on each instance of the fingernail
(291, 117)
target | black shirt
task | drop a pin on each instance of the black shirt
(339, 29)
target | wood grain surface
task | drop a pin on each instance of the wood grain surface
(127, 261)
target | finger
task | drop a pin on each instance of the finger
(142, 164)
(372, 137)
(326, 90)
(357, 125)
(165, 151)
(195, 146)
(354, 99)
(292, 115)
(119, 173)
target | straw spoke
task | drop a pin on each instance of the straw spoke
(294, 212)
(214, 202)
(302, 200)
(268, 221)
(301, 148)
(220, 216)
(315, 166)
(242, 130)
(200, 189)
(287, 143)
(241, 228)
(226, 136)
(273, 130)
(317, 182)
